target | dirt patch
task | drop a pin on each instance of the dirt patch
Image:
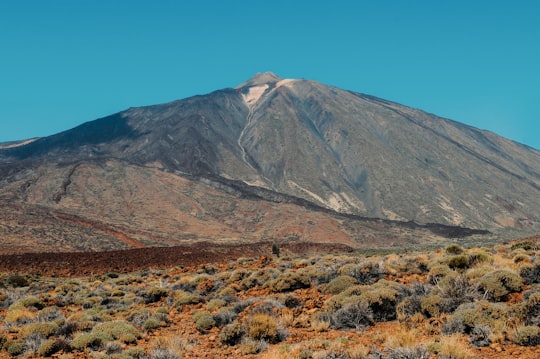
(123, 261)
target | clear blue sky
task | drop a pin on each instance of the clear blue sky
(65, 62)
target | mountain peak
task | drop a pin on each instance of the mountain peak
(260, 78)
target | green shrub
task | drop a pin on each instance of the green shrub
(479, 313)
(52, 346)
(527, 336)
(151, 324)
(432, 305)
(339, 284)
(529, 310)
(135, 353)
(232, 333)
(382, 297)
(118, 330)
(526, 245)
(499, 283)
(530, 273)
(204, 322)
(186, 298)
(215, 304)
(15, 348)
(437, 272)
(289, 281)
(28, 302)
(92, 340)
(479, 257)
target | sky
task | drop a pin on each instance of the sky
(66, 62)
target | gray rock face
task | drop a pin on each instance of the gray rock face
(345, 151)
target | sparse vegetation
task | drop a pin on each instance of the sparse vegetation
(457, 302)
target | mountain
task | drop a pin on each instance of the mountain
(270, 158)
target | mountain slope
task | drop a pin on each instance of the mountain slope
(347, 152)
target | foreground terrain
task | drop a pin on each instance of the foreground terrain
(271, 301)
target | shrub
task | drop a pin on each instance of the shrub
(52, 346)
(289, 281)
(113, 348)
(93, 340)
(32, 343)
(28, 302)
(479, 313)
(163, 353)
(225, 316)
(262, 326)
(135, 353)
(67, 329)
(232, 334)
(3, 340)
(527, 336)
(530, 273)
(453, 249)
(291, 301)
(339, 284)
(43, 329)
(526, 245)
(414, 352)
(151, 324)
(204, 322)
(480, 336)
(460, 261)
(408, 307)
(15, 348)
(50, 314)
(357, 315)
(140, 317)
(521, 258)
(451, 348)
(17, 281)
(454, 291)
(499, 283)
(252, 346)
(215, 304)
(365, 273)
(479, 257)
(154, 295)
(185, 298)
(529, 310)
(382, 297)
(118, 330)
(18, 316)
(437, 273)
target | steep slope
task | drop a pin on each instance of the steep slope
(286, 140)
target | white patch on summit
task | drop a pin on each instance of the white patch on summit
(254, 94)
(285, 82)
